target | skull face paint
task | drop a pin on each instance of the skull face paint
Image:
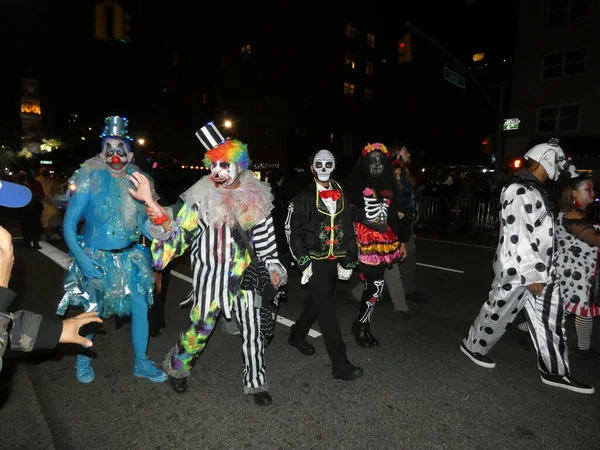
(375, 163)
(224, 174)
(323, 165)
(116, 155)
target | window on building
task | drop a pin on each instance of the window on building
(558, 118)
(350, 31)
(176, 59)
(204, 99)
(370, 40)
(246, 49)
(553, 65)
(564, 64)
(350, 60)
(348, 88)
(562, 11)
(369, 68)
(368, 94)
(575, 61)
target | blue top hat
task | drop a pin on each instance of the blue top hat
(116, 126)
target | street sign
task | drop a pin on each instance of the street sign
(511, 124)
(454, 78)
(43, 161)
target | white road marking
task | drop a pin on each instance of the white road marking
(64, 261)
(456, 243)
(441, 268)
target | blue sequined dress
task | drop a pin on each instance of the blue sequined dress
(114, 222)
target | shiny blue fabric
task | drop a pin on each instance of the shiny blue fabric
(101, 279)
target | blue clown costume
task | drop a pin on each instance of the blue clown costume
(111, 271)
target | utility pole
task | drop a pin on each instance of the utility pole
(500, 128)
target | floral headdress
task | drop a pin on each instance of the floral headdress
(377, 146)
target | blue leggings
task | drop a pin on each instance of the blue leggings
(139, 326)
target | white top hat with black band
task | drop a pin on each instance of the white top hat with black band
(209, 136)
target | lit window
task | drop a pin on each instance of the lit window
(350, 60)
(246, 49)
(176, 59)
(31, 107)
(564, 64)
(348, 88)
(558, 118)
(369, 68)
(370, 40)
(350, 31)
(368, 93)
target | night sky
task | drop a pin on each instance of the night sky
(50, 40)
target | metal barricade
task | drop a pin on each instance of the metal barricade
(483, 214)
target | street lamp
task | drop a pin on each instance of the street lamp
(141, 141)
(228, 124)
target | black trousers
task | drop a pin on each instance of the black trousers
(156, 314)
(320, 304)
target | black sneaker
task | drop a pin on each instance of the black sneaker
(567, 382)
(478, 358)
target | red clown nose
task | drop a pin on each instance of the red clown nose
(115, 160)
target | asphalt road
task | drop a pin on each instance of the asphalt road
(419, 391)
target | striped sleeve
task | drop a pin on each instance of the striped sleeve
(265, 246)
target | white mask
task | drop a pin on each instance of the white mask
(323, 165)
(224, 174)
(116, 155)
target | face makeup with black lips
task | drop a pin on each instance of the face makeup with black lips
(116, 156)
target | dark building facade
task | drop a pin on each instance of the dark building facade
(300, 82)
(557, 66)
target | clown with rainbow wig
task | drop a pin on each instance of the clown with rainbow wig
(381, 234)
(212, 218)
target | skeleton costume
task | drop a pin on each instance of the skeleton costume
(111, 270)
(320, 234)
(380, 232)
(524, 257)
(206, 222)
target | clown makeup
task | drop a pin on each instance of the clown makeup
(224, 174)
(375, 163)
(116, 155)
(323, 165)
(584, 194)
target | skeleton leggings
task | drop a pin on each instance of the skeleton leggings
(372, 276)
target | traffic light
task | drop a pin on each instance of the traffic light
(121, 24)
(516, 163)
(405, 49)
(100, 19)
(486, 145)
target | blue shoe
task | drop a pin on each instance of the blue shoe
(83, 369)
(144, 368)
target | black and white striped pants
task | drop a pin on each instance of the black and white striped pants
(546, 318)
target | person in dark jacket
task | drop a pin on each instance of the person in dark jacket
(320, 233)
(23, 330)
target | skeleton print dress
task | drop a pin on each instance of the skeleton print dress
(378, 244)
(576, 265)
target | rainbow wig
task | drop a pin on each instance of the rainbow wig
(231, 151)
(372, 147)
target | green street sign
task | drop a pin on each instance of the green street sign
(511, 124)
(454, 78)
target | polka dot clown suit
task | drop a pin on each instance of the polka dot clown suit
(523, 257)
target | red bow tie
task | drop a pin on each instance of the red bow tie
(333, 194)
